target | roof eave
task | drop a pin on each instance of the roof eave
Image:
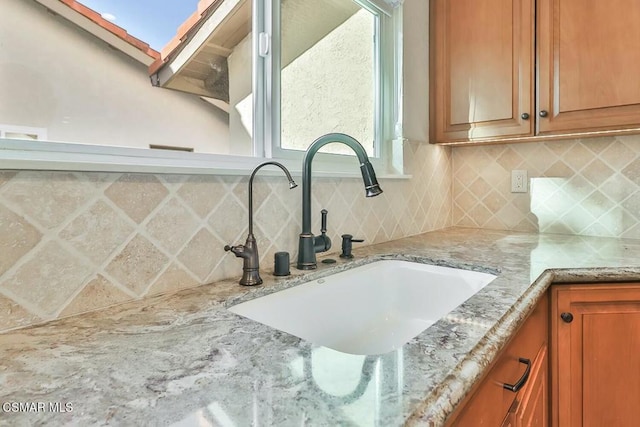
(113, 35)
(190, 38)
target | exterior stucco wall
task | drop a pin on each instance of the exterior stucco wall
(55, 76)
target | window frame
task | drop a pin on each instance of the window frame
(51, 155)
(388, 91)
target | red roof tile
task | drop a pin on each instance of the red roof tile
(111, 27)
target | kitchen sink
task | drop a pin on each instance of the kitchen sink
(371, 309)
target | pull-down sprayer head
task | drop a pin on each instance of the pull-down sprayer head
(371, 185)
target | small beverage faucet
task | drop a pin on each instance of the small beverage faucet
(308, 243)
(249, 251)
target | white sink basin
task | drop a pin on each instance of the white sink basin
(371, 309)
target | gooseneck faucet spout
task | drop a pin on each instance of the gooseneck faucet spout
(307, 246)
(249, 251)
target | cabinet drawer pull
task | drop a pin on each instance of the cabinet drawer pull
(525, 116)
(523, 380)
(544, 113)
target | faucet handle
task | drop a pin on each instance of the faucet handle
(322, 243)
(235, 249)
(323, 227)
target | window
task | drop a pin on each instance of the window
(292, 71)
(336, 68)
(22, 132)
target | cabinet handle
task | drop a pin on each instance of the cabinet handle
(544, 113)
(525, 116)
(523, 380)
(567, 317)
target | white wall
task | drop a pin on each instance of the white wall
(416, 70)
(55, 76)
(240, 97)
(330, 88)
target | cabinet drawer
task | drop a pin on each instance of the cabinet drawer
(489, 402)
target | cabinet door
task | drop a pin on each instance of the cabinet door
(596, 356)
(481, 69)
(589, 63)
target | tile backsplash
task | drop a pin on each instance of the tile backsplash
(585, 186)
(72, 242)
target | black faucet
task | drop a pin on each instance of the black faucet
(249, 251)
(309, 244)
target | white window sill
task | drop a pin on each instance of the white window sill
(33, 155)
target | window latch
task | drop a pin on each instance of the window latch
(263, 44)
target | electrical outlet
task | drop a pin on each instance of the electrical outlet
(519, 181)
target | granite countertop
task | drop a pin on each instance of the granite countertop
(184, 359)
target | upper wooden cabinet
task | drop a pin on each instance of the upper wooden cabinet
(488, 81)
(589, 63)
(481, 68)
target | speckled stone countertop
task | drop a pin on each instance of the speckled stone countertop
(184, 359)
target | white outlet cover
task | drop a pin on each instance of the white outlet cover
(519, 181)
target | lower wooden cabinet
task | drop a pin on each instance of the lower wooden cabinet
(523, 364)
(580, 350)
(595, 357)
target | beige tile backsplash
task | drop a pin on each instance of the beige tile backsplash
(72, 242)
(587, 187)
